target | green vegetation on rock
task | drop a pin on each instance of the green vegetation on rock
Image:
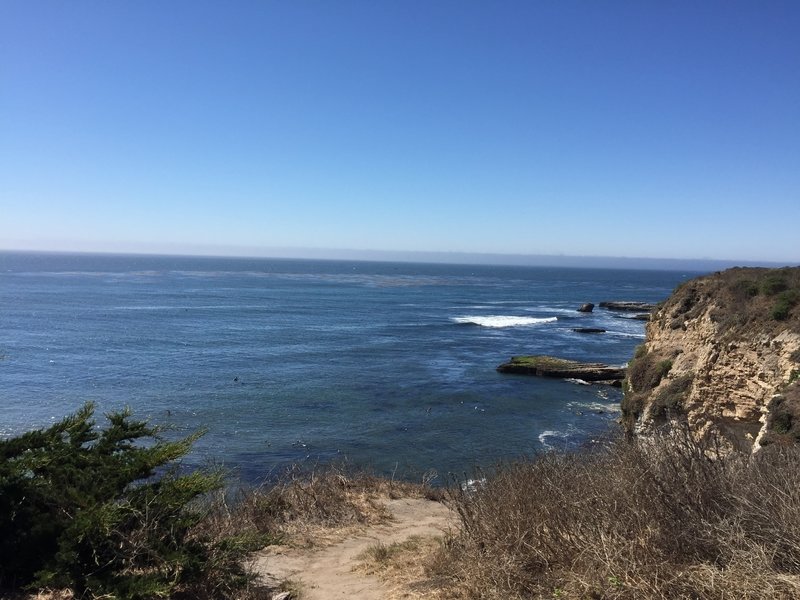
(669, 400)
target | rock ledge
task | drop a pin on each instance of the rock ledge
(551, 366)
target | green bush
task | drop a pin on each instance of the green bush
(646, 371)
(786, 301)
(107, 513)
(743, 289)
(773, 283)
(670, 399)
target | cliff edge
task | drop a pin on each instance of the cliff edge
(722, 355)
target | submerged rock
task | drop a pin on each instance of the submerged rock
(588, 330)
(550, 366)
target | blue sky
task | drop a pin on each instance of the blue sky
(638, 129)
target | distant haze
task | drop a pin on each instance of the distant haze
(464, 258)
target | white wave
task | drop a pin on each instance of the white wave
(472, 485)
(595, 407)
(549, 433)
(577, 381)
(502, 320)
(625, 334)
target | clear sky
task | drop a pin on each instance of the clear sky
(614, 128)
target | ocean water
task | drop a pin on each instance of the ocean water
(387, 365)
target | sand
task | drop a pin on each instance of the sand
(327, 573)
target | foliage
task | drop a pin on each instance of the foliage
(786, 301)
(773, 283)
(107, 513)
(744, 288)
(646, 372)
(784, 421)
(670, 398)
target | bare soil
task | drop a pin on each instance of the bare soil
(331, 572)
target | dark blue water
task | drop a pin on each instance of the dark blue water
(389, 365)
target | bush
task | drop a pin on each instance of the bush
(669, 400)
(663, 518)
(773, 283)
(646, 372)
(786, 301)
(107, 513)
(743, 289)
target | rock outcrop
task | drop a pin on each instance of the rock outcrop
(628, 306)
(550, 366)
(586, 308)
(723, 356)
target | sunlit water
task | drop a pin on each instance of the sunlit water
(388, 365)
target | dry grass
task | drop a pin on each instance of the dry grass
(662, 519)
(406, 568)
(313, 508)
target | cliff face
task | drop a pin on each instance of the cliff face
(723, 355)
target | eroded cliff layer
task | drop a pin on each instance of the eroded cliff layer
(723, 355)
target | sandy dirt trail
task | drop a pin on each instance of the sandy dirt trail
(327, 573)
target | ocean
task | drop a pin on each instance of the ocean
(389, 366)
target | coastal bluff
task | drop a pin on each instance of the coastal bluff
(722, 355)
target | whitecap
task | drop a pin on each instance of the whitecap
(595, 407)
(625, 334)
(472, 485)
(503, 320)
(549, 433)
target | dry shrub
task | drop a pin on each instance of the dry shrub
(406, 567)
(311, 507)
(665, 518)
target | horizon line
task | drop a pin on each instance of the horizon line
(420, 256)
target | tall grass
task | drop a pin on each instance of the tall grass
(664, 518)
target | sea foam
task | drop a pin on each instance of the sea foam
(503, 320)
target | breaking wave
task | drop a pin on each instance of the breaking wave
(503, 320)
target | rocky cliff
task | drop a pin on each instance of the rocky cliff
(723, 355)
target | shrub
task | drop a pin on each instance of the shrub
(645, 372)
(744, 288)
(784, 422)
(670, 399)
(773, 283)
(107, 513)
(786, 301)
(662, 518)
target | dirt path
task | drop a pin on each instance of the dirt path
(327, 573)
